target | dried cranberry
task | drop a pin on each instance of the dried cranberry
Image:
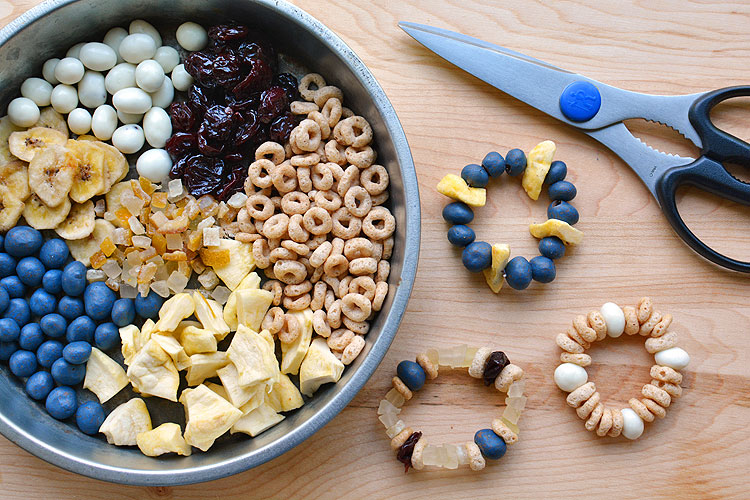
(226, 69)
(258, 48)
(289, 83)
(407, 449)
(227, 32)
(178, 167)
(181, 144)
(200, 99)
(282, 127)
(243, 104)
(200, 65)
(201, 174)
(494, 365)
(183, 117)
(219, 123)
(236, 181)
(248, 129)
(209, 147)
(273, 102)
(257, 79)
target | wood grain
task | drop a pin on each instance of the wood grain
(701, 449)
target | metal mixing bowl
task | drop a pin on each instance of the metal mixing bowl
(47, 31)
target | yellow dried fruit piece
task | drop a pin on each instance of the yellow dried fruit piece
(215, 257)
(494, 275)
(455, 187)
(98, 260)
(537, 166)
(178, 255)
(159, 200)
(159, 242)
(553, 227)
(107, 247)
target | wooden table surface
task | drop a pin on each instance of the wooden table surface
(701, 449)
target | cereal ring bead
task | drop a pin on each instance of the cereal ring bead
(477, 256)
(570, 377)
(515, 162)
(632, 425)
(494, 164)
(411, 374)
(476, 460)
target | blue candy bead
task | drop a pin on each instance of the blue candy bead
(30, 271)
(494, 164)
(22, 363)
(2, 243)
(542, 269)
(557, 172)
(477, 256)
(54, 253)
(31, 337)
(53, 325)
(61, 403)
(148, 307)
(562, 190)
(411, 374)
(52, 281)
(458, 212)
(74, 279)
(515, 162)
(18, 310)
(518, 273)
(39, 385)
(70, 308)
(461, 235)
(562, 210)
(98, 300)
(89, 417)
(66, 373)
(123, 312)
(13, 286)
(49, 352)
(490, 444)
(42, 302)
(9, 330)
(81, 328)
(77, 353)
(552, 247)
(7, 265)
(475, 175)
(22, 241)
(106, 336)
(4, 300)
(7, 349)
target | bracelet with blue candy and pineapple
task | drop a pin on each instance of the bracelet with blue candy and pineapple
(555, 234)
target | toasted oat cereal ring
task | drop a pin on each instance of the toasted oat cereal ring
(356, 307)
(580, 395)
(650, 323)
(331, 111)
(379, 224)
(320, 254)
(363, 266)
(569, 345)
(632, 326)
(641, 410)
(576, 359)
(353, 131)
(401, 437)
(335, 153)
(430, 368)
(387, 248)
(347, 180)
(417, 461)
(374, 179)
(384, 270)
(319, 296)
(675, 391)
(381, 290)
(654, 345)
(247, 237)
(284, 178)
(659, 395)
(322, 95)
(290, 272)
(282, 253)
(505, 432)
(377, 250)
(291, 329)
(476, 368)
(328, 200)
(332, 281)
(304, 181)
(295, 202)
(345, 225)
(352, 350)
(379, 199)
(306, 262)
(320, 323)
(317, 274)
(581, 325)
(305, 160)
(306, 136)
(298, 233)
(259, 207)
(322, 176)
(273, 321)
(402, 389)
(276, 226)
(317, 221)
(276, 288)
(333, 315)
(261, 253)
(358, 327)
(322, 121)
(339, 339)
(511, 373)
(597, 323)
(297, 303)
(588, 406)
(358, 247)
(310, 83)
(662, 326)
(297, 290)
(344, 286)
(303, 108)
(317, 240)
(362, 157)
(654, 407)
(357, 200)
(337, 246)
(594, 417)
(617, 423)
(272, 151)
(666, 374)
(476, 460)
(260, 173)
(605, 424)
(645, 308)
(363, 285)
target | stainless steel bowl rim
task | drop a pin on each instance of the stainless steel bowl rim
(378, 350)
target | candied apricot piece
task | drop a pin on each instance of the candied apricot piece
(215, 257)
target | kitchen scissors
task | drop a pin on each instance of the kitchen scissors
(598, 109)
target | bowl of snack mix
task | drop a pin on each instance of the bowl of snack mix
(209, 231)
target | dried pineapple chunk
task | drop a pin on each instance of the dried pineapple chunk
(537, 166)
(293, 353)
(319, 367)
(455, 187)
(251, 281)
(210, 314)
(238, 394)
(104, 376)
(253, 356)
(153, 372)
(554, 227)
(174, 349)
(252, 305)
(195, 340)
(203, 366)
(128, 339)
(208, 416)
(237, 266)
(494, 274)
(284, 396)
(179, 307)
(124, 423)
(260, 419)
(167, 438)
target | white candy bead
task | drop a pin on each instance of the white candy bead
(632, 425)
(137, 47)
(113, 38)
(79, 121)
(163, 97)
(75, 50)
(181, 79)
(131, 100)
(64, 98)
(192, 36)
(141, 26)
(157, 127)
(98, 56)
(38, 90)
(570, 377)
(128, 118)
(154, 165)
(674, 358)
(149, 75)
(91, 90)
(614, 318)
(69, 70)
(167, 57)
(23, 112)
(120, 77)
(48, 70)
(128, 138)
(104, 122)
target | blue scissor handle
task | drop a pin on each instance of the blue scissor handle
(708, 173)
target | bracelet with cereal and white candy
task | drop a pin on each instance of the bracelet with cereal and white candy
(557, 232)
(491, 366)
(613, 321)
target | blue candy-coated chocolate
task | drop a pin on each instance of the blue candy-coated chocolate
(42, 302)
(458, 212)
(70, 307)
(53, 325)
(515, 162)
(15, 288)
(22, 363)
(74, 279)
(31, 337)
(52, 281)
(490, 444)
(552, 247)
(18, 310)
(7, 349)
(475, 175)
(90, 417)
(54, 253)
(22, 241)
(477, 256)
(7, 265)
(562, 190)
(98, 300)
(4, 300)
(61, 403)
(557, 172)
(9, 330)
(123, 312)
(66, 373)
(81, 328)
(39, 385)
(411, 374)
(77, 353)
(542, 269)
(30, 271)
(562, 210)
(461, 235)
(494, 164)
(106, 336)
(49, 352)
(518, 273)
(148, 307)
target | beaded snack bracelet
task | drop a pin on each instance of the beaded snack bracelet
(491, 366)
(613, 321)
(558, 231)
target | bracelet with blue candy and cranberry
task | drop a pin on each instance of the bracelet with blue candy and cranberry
(493, 367)
(555, 234)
